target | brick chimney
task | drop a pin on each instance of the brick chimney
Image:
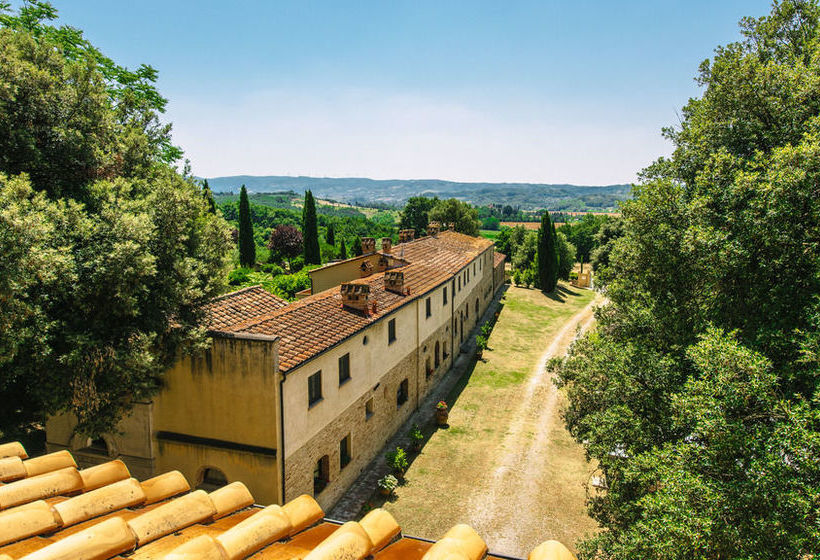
(387, 244)
(394, 281)
(355, 296)
(433, 228)
(406, 235)
(368, 245)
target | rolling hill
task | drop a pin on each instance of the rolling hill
(527, 196)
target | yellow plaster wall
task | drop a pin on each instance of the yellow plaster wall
(229, 393)
(334, 274)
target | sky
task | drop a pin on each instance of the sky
(568, 91)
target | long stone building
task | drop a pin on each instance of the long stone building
(297, 398)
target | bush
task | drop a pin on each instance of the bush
(416, 437)
(239, 276)
(517, 277)
(297, 264)
(397, 460)
(481, 342)
(388, 482)
(272, 269)
(486, 329)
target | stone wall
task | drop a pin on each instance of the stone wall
(368, 435)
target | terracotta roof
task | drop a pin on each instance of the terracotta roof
(498, 259)
(100, 513)
(308, 327)
(239, 306)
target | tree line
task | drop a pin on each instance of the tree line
(698, 395)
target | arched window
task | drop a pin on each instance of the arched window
(212, 479)
(429, 368)
(436, 354)
(444, 355)
(476, 308)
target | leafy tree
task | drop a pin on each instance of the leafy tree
(107, 254)
(605, 243)
(247, 245)
(310, 231)
(461, 215)
(416, 214)
(285, 241)
(357, 246)
(502, 241)
(330, 236)
(526, 252)
(582, 234)
(342, 250)
(491, 223)
(697, 395)
(547, 255)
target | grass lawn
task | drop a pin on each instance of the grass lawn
(505, 464)
(489, 233)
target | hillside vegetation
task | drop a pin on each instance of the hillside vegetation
(526, 196)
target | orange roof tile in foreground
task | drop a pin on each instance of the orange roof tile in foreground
(145, 520)
(309, 326)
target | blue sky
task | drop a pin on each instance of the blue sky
(550, 91)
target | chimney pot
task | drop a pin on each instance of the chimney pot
(368, 245)
(387, 244)
(355, 296)
(406, 235)
(394, 281)
(433, 228)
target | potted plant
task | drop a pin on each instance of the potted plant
(480, 345)
(442, 413)
(397, 460)
(416, 437)
(387, 484)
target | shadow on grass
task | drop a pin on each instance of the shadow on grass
(560, 294)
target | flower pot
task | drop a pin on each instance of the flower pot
(479, 353)
(441, 416)
(385, 491)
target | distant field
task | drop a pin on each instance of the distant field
(528, 225)
(489, 233)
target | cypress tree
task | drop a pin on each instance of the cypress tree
(547, 255)
(247, 246)
(208, 196)
(356, 248)
(343, 250)
(330, 237)
(310, 231)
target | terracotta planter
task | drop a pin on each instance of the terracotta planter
(385, 491)
(441, 416)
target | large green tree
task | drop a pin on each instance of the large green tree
(415, 214)
(697, 395)
(247, 244)
(463, 217)
(310, 230)
(106, 253)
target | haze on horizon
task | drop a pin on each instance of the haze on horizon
(524, 91)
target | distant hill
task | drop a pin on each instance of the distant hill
(527, 196)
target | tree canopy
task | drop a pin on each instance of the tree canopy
(415, 214)
(698, 392)
(452, 212)
(108, 254)
(310, 231)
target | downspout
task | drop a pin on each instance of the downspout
(418, 352)
(282, 431)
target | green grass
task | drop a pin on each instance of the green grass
(489, 233)
(444, 477)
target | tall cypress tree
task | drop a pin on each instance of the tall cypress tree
(547, 255)
(247, 246)
(310, 231)
(330, 237)
(342, 250)
(208, 196)
(356, 248)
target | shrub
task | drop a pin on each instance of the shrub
(239, 276)
(416, 437)
(272, 269)
(486, 329)
(481, 342)
(388, 482)
(397, 460)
